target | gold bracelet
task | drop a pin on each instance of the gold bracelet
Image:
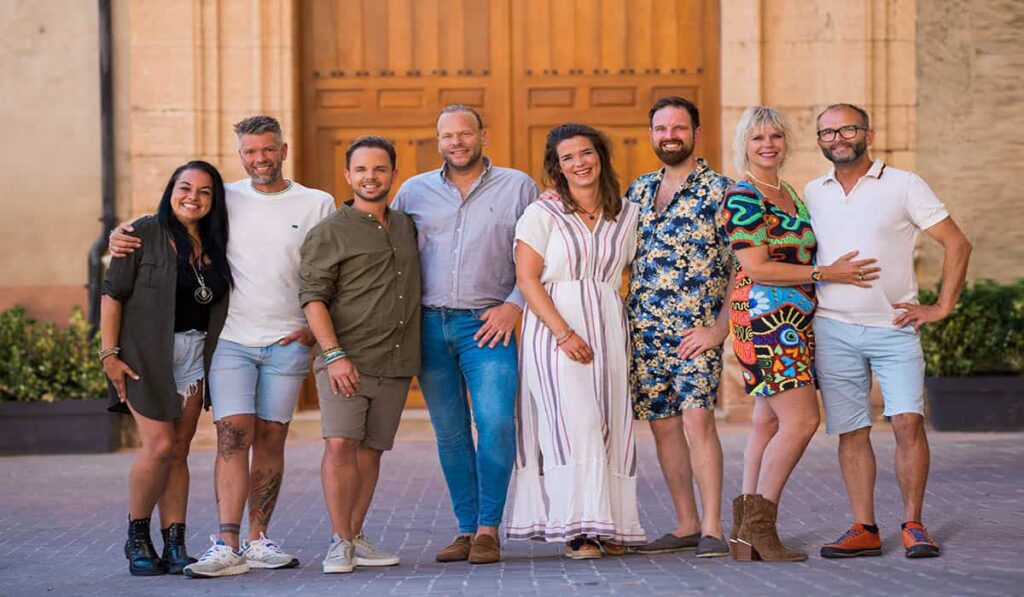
(561, 338)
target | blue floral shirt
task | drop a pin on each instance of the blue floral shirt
(682, 265)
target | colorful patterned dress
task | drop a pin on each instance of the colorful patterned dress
(575, 470)
(772, 324)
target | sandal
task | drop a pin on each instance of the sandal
(613, 549)
(582, 548)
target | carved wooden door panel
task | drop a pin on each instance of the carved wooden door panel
(603, 63)
(387, 67)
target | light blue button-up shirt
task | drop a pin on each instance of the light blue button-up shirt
(466, 244)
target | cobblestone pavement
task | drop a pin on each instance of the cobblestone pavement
(62, 521)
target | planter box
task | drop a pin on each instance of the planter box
(982, 403)
(61, 427)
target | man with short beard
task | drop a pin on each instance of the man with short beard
(679, 319)
(361, 294)
(466, 214)
(868, 205)
(263, 354)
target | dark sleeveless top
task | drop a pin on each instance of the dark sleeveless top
(190, 314)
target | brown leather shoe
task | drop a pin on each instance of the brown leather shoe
(486, 550)
(458, 551)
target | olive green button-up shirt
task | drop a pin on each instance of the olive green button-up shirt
(368, 275)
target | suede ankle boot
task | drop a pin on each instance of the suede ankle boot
(757, 538)
(175, 555)
(142, 558)
(737, 517)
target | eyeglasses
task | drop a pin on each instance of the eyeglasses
(846, 132)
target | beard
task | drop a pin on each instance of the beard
(271, 177)
(381, 196)
(858, 150)
(674, 158)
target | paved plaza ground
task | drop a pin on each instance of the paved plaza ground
(62, 521)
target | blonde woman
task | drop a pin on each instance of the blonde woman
(773, 304)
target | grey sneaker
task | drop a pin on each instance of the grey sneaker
(341, 556)
(711, 547)
(670, 543)
(218, 560)
(264, 553)
(368, 554)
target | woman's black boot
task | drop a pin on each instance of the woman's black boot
(142, 558)
(175, 555)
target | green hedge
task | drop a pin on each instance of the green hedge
(41, 361)
(984, 335)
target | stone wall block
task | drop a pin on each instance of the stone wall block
(162, 22)
(741, 74)
(163, 77)
(164, 133)
(741, 21)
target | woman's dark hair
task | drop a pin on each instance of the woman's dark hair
(213, 227)
(609, 194)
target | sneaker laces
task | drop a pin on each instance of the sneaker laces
(269, 544)
(919, 534)
(849, 534)
(213, 552)
(364, 542)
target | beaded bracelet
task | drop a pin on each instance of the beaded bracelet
(335, 355)
(330, 351)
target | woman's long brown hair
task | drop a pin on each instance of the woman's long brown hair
(609, 194)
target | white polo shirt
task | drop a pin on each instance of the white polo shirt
(266, 233)
(881, 218)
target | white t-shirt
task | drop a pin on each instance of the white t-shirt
(881, 218)
(265, 235)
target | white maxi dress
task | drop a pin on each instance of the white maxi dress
(575, 468)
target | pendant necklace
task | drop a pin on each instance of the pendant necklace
(203, 294)
(590, 214)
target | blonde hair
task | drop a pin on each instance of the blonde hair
(754, 119)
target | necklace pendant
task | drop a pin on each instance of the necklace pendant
(592, 217)
(203, 295)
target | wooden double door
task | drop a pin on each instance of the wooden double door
(387, 67)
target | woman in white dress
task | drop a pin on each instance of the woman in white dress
(575, 471)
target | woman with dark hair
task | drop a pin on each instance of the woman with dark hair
(162, 309)
(575, 471)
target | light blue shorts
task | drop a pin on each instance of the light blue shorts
(264, 381)
(847, 355)
(188, 362)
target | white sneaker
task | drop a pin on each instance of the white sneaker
(368, 554)
(218, 560)
(341, 556)
(264, 553)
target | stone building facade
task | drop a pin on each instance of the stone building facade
(943, 80)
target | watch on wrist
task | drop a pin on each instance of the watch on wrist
(816, 274)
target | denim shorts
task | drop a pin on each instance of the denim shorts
(264, 381)
(848, 354)
(188, 362)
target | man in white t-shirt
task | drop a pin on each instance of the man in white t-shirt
(865, 205)
(263, 353)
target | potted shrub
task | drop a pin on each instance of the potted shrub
(974, 360)
(53, 393)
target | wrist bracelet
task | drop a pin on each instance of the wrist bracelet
(112, 351)
(560, 338)
(336, 355)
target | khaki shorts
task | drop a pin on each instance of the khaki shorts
(371, 416)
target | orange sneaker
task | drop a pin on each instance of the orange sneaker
(855, 542)
(918, 542)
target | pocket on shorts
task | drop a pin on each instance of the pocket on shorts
(296, 358)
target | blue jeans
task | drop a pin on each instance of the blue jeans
(454, 368)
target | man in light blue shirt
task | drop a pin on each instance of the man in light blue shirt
(465, 214)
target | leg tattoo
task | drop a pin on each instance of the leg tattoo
(230, 528)
(263, 491)
(230, 439)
